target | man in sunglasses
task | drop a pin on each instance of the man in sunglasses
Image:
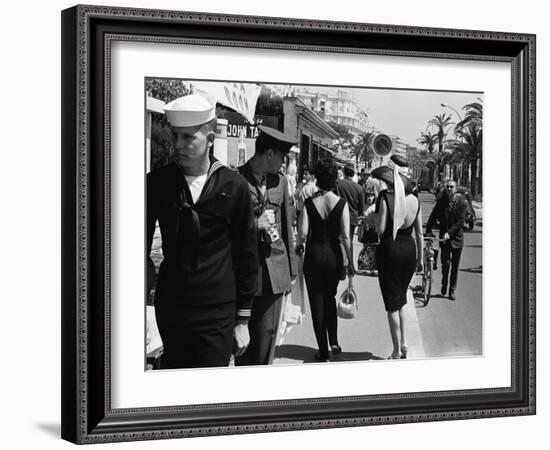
(450, 212)
(208, 276)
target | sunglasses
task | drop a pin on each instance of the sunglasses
(450, 186)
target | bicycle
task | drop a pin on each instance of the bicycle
(428, 262)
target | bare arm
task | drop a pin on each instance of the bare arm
(419, 239)
(382, 217)
(287, 234)
(303, 228)
(344, 236)
(152, 216)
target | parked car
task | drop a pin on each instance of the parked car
(422, 185)
(470, 219)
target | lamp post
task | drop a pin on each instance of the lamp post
(458, 115)
(450, 107)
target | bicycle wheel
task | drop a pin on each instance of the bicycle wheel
(427, 282)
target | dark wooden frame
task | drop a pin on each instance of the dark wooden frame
(87, 32)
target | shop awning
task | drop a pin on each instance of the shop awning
(155, 105)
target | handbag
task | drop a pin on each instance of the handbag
(346, 307)
(362, 260)
(292, 313)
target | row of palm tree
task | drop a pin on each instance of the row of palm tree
(357, 147)
(463, 153)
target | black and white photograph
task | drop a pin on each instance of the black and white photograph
(291, 224)
(306, 219)
(284, 225)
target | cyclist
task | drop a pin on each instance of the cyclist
(450, 212)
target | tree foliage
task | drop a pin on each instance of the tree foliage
(441, 123)
(363, 148)
(468, 145)
(269, 103)
(428, 140)
(161, 135)
(166, 89)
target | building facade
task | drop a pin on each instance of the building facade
(340, 108)
(314, 136)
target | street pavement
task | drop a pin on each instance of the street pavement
(454, 328)
(443, 328)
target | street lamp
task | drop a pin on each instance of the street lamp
(450, 107)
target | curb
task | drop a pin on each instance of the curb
(414, 335)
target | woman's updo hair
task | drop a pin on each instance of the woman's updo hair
(326, 173)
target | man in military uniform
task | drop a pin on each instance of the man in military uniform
(208, 276)
(270, 199)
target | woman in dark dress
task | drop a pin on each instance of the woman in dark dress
(324, 222)
(398, 254)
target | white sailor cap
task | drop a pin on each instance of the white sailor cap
(190, 111)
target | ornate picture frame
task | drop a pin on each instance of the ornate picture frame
(88, 33)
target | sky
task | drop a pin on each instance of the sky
(399, 112)
(406, 113)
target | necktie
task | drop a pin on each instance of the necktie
(263, 186)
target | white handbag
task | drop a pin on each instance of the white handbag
(346, 307)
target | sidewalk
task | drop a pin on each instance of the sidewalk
(478, 209)
(367, 337)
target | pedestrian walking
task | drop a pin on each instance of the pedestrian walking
(397, 257)
(305, 191)
(450, 212)
(290, 175)
(367, 235)
(354, 195)
(208, 276)
(324, 222)
(375, 186)
(363, 176)
(268, 190)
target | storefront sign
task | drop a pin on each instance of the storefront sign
(235, 130)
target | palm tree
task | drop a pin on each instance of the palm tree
(363, 149)
(428, 140)
(469, 145)
(441, 122)
(474, 115)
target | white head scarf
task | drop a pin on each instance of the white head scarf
(399, 206)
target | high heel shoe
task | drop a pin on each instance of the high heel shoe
(404, 351)
(394, 357)
(335, 349)
(319, 358)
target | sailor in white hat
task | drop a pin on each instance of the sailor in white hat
(208, 275)
(193, 122)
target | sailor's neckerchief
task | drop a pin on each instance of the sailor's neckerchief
(188, 219)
